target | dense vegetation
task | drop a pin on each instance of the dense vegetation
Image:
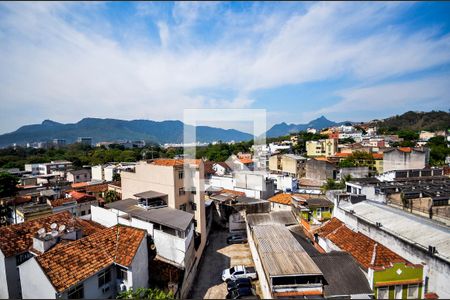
(143, 293)
(415, 121)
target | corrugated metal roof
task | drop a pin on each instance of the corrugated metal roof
(280, 252)
(166, 216)
(409, 226)
(272, 218)
(150, 195)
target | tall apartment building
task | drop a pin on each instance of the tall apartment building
(85, 140)
(291, 164)
(326, 147)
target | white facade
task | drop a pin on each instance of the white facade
(168, 246)
(36, 285)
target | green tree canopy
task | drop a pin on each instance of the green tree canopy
(143, 293)
(8, 184)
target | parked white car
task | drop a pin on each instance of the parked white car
(237, 272)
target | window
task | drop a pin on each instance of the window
(122, 273)
(180, 175)
(398, 292)
(413, 291)
(104, 277)
(183, 207)
(83, 213)
(383, 293)
(76, 292)
(89, 211)
(181, 192)
(193, 206)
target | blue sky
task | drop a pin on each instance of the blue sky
(150, 60)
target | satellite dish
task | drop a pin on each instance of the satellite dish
(54, 233)
(53, 226)
(62, 228)
(41, 232)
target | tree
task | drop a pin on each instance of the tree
(332, 184)
(8, 184)
(116, 177)
(143, 293)
(111, 196)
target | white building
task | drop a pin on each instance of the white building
(106, 172)
(16, 242)
(95, 267)
(48, 168)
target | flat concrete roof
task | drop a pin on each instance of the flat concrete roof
(150, 195)
(173, 218)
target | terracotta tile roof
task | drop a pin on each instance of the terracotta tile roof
(281, 198)
(18, 238)
(321, 158)
(74, 262)
(81, 197)
(17, 200)
(237, 193)
(377, 155)
(246, 161)
(79, 185)
(175, 162)
(367, 252)
(97, 188)
(404, 149)
(343, 154)
(59, 202)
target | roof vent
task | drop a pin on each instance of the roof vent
(352, 211)
(378, 224)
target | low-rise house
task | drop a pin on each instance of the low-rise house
(16, 247)
(75, 176)
(312, 212)
(78, 204)
(390, 275)
(281, 201)
(285, 183)
(95, 267)
(325, 147)
(107, 172)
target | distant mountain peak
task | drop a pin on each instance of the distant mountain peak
(48, 122)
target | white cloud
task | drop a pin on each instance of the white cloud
(63, 65)
(435, 90)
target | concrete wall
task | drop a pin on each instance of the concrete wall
(398, 160)
(279, 207)
(355, 172)
(263, 281)
(139, 268)
(4, 294)
(149, 177)
(97, 172)
(35, 283)
(12, 289)
(319, 170)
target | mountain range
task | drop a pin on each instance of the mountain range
(158, 132)
(285, 129)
